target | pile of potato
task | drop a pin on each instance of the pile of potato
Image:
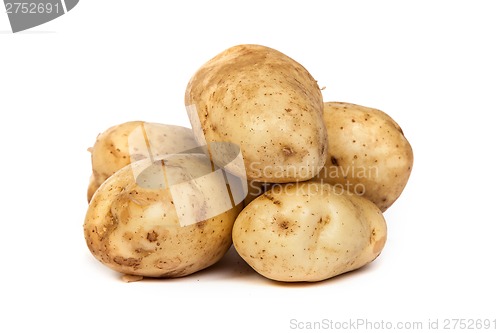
(296, 184)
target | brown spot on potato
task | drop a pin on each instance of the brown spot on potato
(284, 225)
(373, 236)
(270, 197)
(288, 151)
(201, 224)
(129, 262)
(377, 244)
(324, 221)
(334, 161)
(152, 236)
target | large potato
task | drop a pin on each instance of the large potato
(368, 153)
(267, 104)
(308, 231)
(167, 218)
(122, 144)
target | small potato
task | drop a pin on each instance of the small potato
(167, 218)
(122, 144)
(308, 231)
(266, 103)
(368, 153)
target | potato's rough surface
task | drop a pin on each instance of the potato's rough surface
(122, 144)
(134, 221)
(267, 104)
(368, 153)
(308, 231)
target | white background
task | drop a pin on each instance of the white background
(432, 65)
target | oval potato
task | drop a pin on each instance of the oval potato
(308, 231)
(368, 153)
(169, 218)
(267, 104)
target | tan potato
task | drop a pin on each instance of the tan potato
(267, 104)
(308, 231)
(368, 153)
(136, 224)
(122, 144)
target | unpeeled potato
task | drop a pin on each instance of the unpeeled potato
(268, 105)
(167, 218)
(122, 144)
(308, 231)
(368, 153)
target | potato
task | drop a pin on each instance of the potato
(122, 144)
(267, 104)
(166, 218)
(368, 153)
(308, 231)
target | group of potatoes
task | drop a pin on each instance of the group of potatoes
(296, 184)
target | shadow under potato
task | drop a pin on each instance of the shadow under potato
(232, 267)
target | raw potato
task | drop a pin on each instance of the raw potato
(119, 145)
(368, 153)
(308, 231)
(267, 104)
(137, 225)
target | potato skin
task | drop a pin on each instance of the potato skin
(368, 153)
(267, 104)
(121, 144)
(308, 231)
(132, 223)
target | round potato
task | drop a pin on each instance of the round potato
(308, 231)
(267, 104)
(368, 153)
(122, 144)
(167, 218)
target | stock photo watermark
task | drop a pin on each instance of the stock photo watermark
(187, 173)
(349, 179)
(339, 172)
(25, 15)
(365, 324)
